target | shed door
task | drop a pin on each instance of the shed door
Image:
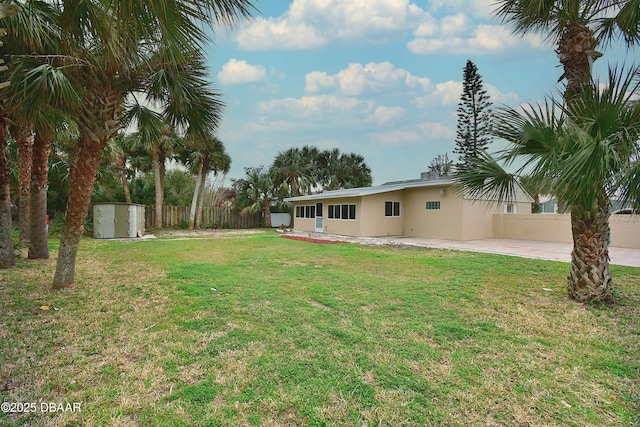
(104, 226)
(319, 218)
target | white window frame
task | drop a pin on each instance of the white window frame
(393, 203)
(434, 205)
(335, 211)
(513, 206)
(306, 211)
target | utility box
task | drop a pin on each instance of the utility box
(118, 220)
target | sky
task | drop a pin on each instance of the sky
(380, 78)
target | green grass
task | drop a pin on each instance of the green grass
(256, 330)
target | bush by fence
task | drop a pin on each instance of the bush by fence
(215, 217)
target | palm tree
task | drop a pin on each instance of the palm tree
(109, 49)
(39, 247)
(576, 27)
(39, 95)
(355, 172)
(255, 192)
(586, 152)
(7, 256)
(116, 150)
(340, 170)
(24, 136)
(155, 137)
(293, 170)
(204, 154)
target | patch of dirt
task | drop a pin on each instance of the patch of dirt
(205, 233)
(318, 304)
(312, 239)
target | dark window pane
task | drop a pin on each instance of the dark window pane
(387, 209)
(352, 211)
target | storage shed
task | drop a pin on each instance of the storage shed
(118, 220)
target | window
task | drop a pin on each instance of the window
(509, 208)
(391, 208)
(433, 206)
(341, 211)
(306, 211)
(345, 211)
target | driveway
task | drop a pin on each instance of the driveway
(520, 248)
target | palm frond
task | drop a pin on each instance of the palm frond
(41, 89)
(486, 179)
(34, 28)
(149, 124)
(623, 20)
(529, 15)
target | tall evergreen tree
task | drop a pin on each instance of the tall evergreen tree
(474, 117)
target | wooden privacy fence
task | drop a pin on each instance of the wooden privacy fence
(215, 217)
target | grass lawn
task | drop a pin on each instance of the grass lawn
(253, 329)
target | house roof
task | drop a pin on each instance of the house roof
(366, 191)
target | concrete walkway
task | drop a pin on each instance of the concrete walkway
(520, 248)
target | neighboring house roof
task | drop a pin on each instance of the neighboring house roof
(366, 191)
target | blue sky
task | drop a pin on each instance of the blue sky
(381, 78)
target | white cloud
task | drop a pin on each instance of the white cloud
(444, 94)
(278, 33)
(317, 81)
(236, 72)
(316, 107)
(383, 115)
(498, 98)
(437, 130)
(448, 94)
(477, 8)
(358, 79)
(483, 39)
(309, 24)
(455, 24)
(396, 138)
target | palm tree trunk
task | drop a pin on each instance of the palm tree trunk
(98, 121)
(267, 212)
(39, 248)
(82, 175)
(194, 199)
(159, 190)
(577, 52)
(122, 172)
(7, 257)
(24, 142)
(590, 277)
(199, 212)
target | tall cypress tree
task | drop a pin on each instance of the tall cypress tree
(474, 117)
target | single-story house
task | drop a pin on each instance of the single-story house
(414, 208)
